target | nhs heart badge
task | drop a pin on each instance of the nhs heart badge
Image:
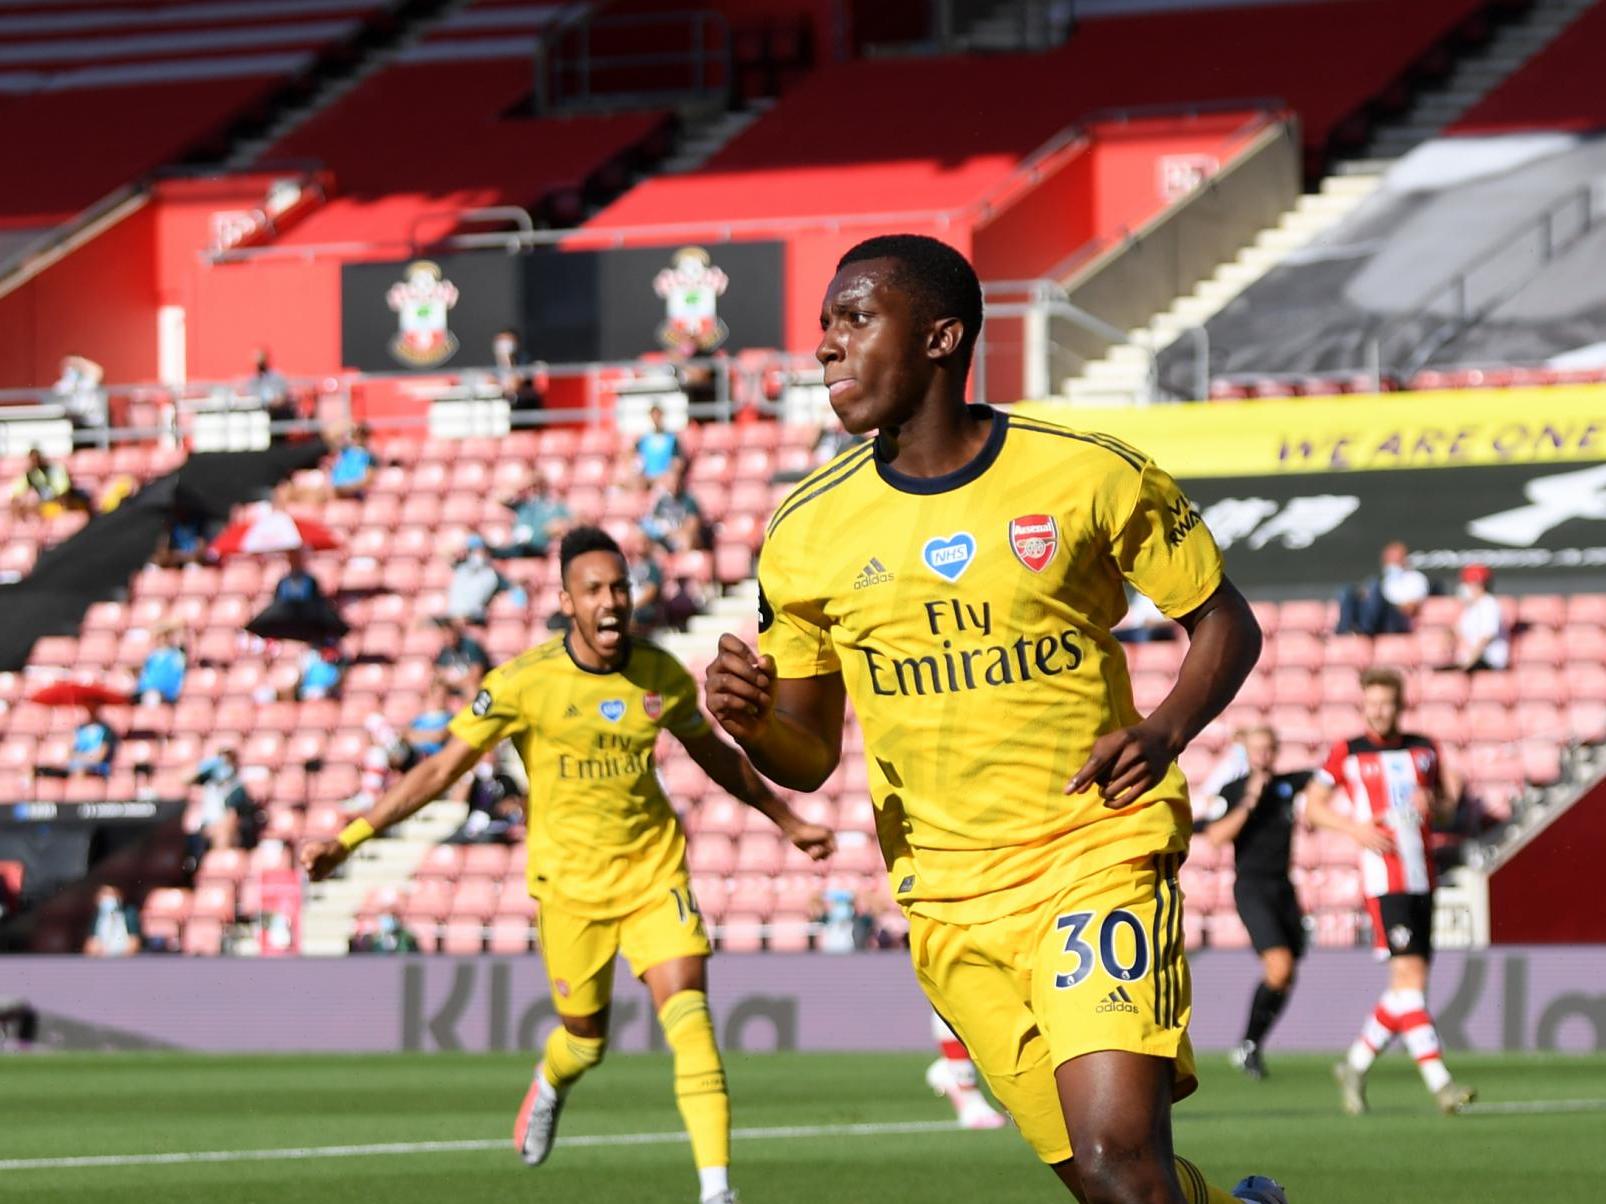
(612, 710)
(950, 557)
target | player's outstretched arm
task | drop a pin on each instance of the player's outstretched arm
(423, 783)
(734, 774)
(1319, 813)
(1223, 646)
(791, 728)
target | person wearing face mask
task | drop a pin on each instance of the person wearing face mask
(1482, 637)
(475, 581)
(389, 936)
(505, 355)
(116, 926)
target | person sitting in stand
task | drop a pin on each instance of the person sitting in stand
(116, 926)
(322, 669)
(390, 935)
(462, 660)
(646, 582)
(538, 519)
(228, 818)
(1482, 638)
(657, 449)
(94, 744)
(80, 393)
(393, 752)
(1385, 604)
(475, 581)
(675, 520)
(45, 489)
(161, 677)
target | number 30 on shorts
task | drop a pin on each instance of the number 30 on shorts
(1079, 928)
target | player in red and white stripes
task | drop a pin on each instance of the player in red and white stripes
(1397, 787)
(954, 1075)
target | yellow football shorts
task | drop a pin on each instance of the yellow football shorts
(579, 951)
(1098, 966)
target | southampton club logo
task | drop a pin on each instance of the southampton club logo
(691, 287)
(421, 300)
(1035, 540)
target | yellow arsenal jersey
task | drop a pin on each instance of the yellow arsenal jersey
(602, 835)
(970, 618)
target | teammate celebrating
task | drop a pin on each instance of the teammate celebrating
(1397, 783)
(1257, 819)
(1045, 919)
(607, 853)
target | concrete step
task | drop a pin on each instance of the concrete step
(1105, 374)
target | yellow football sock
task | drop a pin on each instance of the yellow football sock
(1194, 1187)
(699, 1077)
(568, 1057)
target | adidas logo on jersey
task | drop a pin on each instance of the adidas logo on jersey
(874, 573)
(572, 713)
(1118, 1001)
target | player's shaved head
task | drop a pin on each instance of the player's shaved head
(581, 540)
(936, 277)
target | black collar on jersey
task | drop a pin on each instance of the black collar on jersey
(962, 475)
(575, 661)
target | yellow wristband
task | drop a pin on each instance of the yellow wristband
(354, 833)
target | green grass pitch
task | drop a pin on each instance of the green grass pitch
(113, 1105)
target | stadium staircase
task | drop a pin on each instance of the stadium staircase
(1122, 377)
(410, 25)
(1477, 75)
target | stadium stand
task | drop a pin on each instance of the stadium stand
(456, 100)
(1549, 92)
(187, 71)
(1502, 731)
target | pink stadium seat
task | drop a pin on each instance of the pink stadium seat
(514, 898)
(1541, 761)
(720, 815)
(1498, 687)
(442, 861)
(510, 935)
(1586, 721)
(790, 935)
(758, 854)
(741, 934)
(214, 901)
(711, 854)
(752, 894)
(1227, 931)
(1337, 929)
(712, 892)
(476, 896)
(166, 903)
(485, 861)
(429, 899)
(860, 856)
(462, 937)
(228, 866)
(203, 937)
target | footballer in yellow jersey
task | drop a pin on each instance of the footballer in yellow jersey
(958, 579)
(607, 852)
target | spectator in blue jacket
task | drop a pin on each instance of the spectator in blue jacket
(161, 677)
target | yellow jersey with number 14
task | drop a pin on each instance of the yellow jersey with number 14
(602, 836)
(970, 618)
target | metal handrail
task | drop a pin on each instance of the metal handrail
(1459, 288)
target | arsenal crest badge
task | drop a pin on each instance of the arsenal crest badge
(653, 704)
(1034, 538)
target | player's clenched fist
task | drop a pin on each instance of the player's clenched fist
(740, 689)
(321, 858)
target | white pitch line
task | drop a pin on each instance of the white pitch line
(297, 1153)
(1539, 1105)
